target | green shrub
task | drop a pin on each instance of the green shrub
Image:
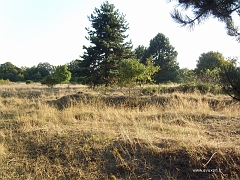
(187, 88)
(29, 81)
(167, 89)
(149, 90)
(216, 90)
(203, 88)
(2, 81)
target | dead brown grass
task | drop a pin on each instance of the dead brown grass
(96, 136)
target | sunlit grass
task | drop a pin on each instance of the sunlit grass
(90, 139)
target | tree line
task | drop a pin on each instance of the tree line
(111, 60)
(43, 72)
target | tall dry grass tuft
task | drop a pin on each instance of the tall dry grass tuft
(171, 136)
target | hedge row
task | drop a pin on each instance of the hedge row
(185, 88)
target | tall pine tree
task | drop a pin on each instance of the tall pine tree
(165, 56)
(99, 64)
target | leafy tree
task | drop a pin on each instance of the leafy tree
(32, 74)
(9, 71)
(230, 81)
(108, 47)
(233, 60)
(73, 67)
(37, 76)
(49, 81)
(210, 76)
(210, 61)
(37, 73)
(60, 74)
(141, 53)
(187, 76)
(29, 72)
(132, 71)
(210, 65)
(164, 55)
(20, 77)
(44, 69)
(150, 70)
(202, 10)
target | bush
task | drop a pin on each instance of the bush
(167, 89)
(2, 81)
(187, 88)
(149, 90)
(203, 88)
(29, 81)
(216, 90)
(49, 81)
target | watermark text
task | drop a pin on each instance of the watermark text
(206, 170)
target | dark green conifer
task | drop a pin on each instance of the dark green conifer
(107, 36)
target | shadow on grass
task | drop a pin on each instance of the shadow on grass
(86, 155)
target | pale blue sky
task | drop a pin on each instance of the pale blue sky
(34, 31)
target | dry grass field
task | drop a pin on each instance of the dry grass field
(72, 132)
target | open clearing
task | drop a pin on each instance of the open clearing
(72, 132)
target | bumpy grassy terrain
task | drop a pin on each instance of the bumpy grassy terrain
(63, 133)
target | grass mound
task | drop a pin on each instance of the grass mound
(135, 101)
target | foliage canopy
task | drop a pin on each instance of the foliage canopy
(10, 72)
(59, 75)
(230, 81)
(163, 54)
(132, 71)
(210, 61)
